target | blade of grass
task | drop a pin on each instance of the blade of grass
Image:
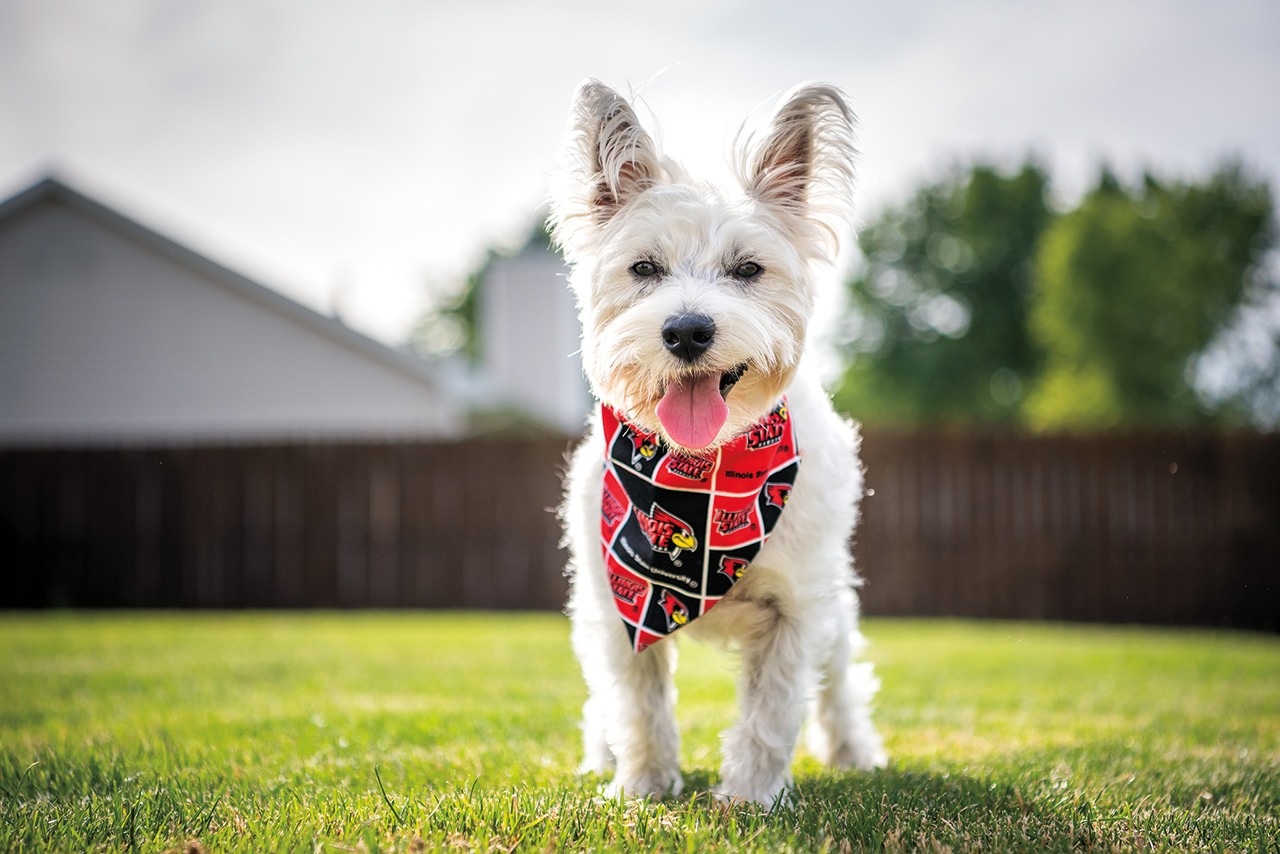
(390, 805)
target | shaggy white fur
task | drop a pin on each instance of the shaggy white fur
(648, 243)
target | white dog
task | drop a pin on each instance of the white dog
(694, 305)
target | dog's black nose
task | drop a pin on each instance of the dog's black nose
(688, 335)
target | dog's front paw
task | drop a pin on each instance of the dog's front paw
(768, 793)
(651, 784)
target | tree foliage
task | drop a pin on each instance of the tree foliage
(977, 304)
(939, 331)
(1131, 286)
(452, 326)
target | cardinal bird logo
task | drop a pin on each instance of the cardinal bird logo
(644, 448)
(666, 532)
(733, 567)
(677, 613)
(778, 493)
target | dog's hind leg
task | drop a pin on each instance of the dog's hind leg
(840, 731)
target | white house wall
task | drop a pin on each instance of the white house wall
(103, 339)
(532, 338)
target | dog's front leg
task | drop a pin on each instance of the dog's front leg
(629, 718)
(775, 673)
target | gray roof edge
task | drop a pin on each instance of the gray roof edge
(53, 188)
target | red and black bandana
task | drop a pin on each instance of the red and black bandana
(678, 530)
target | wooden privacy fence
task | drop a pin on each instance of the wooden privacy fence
(396, 525)
(1156, 528)
(1159, 528)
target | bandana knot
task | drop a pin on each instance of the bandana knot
(679, 529)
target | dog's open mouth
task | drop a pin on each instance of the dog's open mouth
(693, 409)
(729, 379)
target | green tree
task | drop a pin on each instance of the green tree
(452, 326)
(1131, 286)
(939, 320)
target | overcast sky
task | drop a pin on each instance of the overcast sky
(371, 148)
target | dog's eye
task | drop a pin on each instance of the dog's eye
(644, 269)
(748, 270)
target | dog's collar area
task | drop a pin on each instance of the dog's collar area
(679, 530)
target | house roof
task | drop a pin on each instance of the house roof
(52, 189)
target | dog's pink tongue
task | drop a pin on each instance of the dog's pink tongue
(692, 411)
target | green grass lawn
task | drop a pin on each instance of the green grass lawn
(422, 731)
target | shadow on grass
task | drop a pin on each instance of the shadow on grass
(888, 810)
(908, 810)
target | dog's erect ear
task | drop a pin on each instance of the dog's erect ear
(804, 165)
(609, 160)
